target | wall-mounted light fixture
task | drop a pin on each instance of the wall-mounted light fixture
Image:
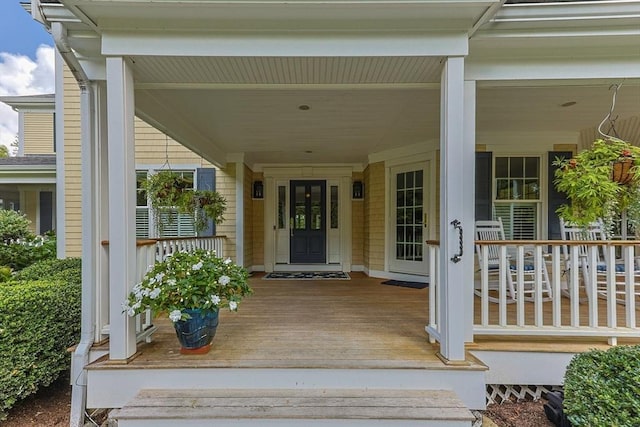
(258, 190)
(358, 190)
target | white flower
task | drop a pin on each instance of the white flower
(128, 309)
(215, 299)
(224, 280)
(175, 315)
(155, 293)
(197, 266)
(159, 277)
(233, 306)
(228, 261)
(171, 282)
(152, 280)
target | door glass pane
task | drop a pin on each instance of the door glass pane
(334, 206)
(300, 220)
(316, 207)
(282, 203)
(409, 209)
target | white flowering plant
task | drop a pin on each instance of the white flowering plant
(189, 280)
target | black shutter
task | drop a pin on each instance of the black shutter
(556, 198)
(483, 185)
(46, 211)
(206, 180)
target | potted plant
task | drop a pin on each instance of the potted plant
(170, 193)
(601, 183)
(191, 288)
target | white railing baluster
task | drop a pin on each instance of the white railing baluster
(574, 282)
(556, 285)
(502, 268)
(592, 255)
(520, 288)
(484, 285)
(631, 287)
(537, 291)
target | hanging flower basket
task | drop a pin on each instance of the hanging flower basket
(621, 171)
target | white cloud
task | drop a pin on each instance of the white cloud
(20, 75)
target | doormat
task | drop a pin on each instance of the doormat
(307, 275)
(415, 285)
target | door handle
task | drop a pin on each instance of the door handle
(425, 220)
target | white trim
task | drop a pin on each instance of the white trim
(282, 43)
(20, 133)
(468, 156)
(400, 155)
(61, 215)
(524, 367)
(256, 267)
(379, 274)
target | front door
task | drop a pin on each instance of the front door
(308, 222)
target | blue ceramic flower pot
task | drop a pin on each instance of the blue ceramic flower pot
(198, 331)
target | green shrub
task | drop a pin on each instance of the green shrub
(66, 270)
(602, 388)
(38, 322)
(5, 273)
(25, 252)
(13, 226)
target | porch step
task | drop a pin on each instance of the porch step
(294, 408)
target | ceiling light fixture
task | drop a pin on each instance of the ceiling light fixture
(304, 107)
(568, 104)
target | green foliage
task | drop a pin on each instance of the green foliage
(189, 280)
(38, 322)
(602, 388)
(5, 273)
(170, 193)
(13, 226)
(4, 151)
(586, 180)
(24, 252)
(66, 270)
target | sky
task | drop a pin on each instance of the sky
(26, 62)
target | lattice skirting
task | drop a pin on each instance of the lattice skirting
(498, 393)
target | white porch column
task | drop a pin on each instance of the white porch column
(454, 266)
(469, 196)
(122, 204)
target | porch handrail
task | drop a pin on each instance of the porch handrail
(148, 251)
(606, 305)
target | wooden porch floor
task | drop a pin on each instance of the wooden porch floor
(357, 323)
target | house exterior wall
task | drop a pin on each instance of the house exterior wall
(374, 213)
(257, 220)
(38, 133)
(29, 207)
(72, 167)
(226, 186)
(247, 216)
(357, 225)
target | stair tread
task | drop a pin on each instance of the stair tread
(295, 404)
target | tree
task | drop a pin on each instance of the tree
(4, 151)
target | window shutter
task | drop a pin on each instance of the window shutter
(556, 198)
(483, 185)
(206, 180)
(142, 222)
(46, 212)
(519, 220)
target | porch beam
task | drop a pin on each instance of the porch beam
(291, 44)
(122, 203)
(453, 205)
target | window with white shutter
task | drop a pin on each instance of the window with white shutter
(517, 196)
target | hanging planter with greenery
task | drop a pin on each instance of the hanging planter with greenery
(601, 183)
(170, 194)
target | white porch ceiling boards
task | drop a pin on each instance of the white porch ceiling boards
(184, 72)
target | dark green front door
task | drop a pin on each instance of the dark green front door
(308, 228)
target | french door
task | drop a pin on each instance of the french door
(308, 225)
(409, 219)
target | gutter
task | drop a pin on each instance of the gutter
(80, 357)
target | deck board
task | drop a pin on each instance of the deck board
(357, 323)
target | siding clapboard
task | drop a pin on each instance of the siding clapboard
(38, 133)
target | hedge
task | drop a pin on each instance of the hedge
(13, 226)
(66, 270)
(602, 388)
(39, 321)
(23, 253)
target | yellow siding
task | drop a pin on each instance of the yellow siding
(72, 171)
(226, 185)
(152, 147)
(357, 226)
(38, 133)
(29, 207)
(375, 192)
(247, 216)
(257, 207)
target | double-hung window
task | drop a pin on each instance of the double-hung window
(517, 196)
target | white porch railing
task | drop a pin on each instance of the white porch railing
(148, 251)
(603, 301)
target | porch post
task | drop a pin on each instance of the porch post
(453, 223)
(469, 197)
(122, 203)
